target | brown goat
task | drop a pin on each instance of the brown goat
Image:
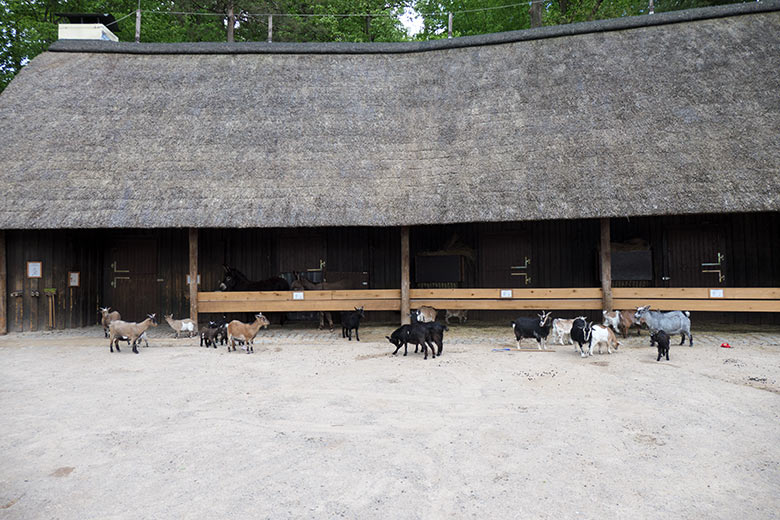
(246, 332)
(129, 331)
(108, 317)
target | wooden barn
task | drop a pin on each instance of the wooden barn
(598, 165)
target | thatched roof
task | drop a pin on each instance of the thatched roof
(665, 114)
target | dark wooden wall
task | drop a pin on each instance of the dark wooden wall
(60, 252)
(561, 254)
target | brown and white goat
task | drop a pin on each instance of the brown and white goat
(621, 321)
(185, 325)
(129, 331)
(426, 314)
(245, 332)
(108, 317)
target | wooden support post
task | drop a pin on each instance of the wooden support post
(405, 303)
(194, 274)
(3, 288)
(270, 28)
(449, 26)
(606, 266)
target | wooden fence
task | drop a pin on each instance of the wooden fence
(737, 299)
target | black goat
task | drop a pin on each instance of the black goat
(417, 334)
(436, 334)
(537, 328)
(208, 335)
(581, 334)
(662, 338)
(351, 320)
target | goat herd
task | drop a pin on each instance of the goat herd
(426, 333)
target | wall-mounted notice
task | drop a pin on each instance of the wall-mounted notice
(34, 269)
(74, 278)
(298, 295)
(716, 293)
(506, 293)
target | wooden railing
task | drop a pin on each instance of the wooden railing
(737, 299)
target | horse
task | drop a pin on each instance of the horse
(304, 284)
(235, 280)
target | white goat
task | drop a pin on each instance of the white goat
(129, 331)
(245, 332)
(108, 317)
(185, 325)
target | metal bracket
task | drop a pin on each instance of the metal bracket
(17, 294)
(718, 264)
(526, 275)
(113, 266)
(113, 282)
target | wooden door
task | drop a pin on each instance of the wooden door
(504, 261)
(695, 257)
(131, 278)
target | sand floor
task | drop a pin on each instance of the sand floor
(313, 426)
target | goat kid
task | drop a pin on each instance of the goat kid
(561, 329)
(351, 320)
(426, 314)
(246, 332)
(602, 335)
(418, 334)
(535, 328)
(130, 331)
(662, 339)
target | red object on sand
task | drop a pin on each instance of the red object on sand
(725, 345)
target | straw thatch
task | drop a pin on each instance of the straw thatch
(664, 114)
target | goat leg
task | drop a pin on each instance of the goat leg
(357, 336)
(682, 341)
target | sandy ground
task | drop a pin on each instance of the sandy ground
(312, 426)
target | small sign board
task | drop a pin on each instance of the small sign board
(506, 293)
(34, 269)
(298, 295)
(74, 278)
(716, 293)
(188, 279)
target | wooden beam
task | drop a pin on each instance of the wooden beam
(3, 288)
(194, 274)
(715, 304)
(405, 303)
(606, 266)
(517, 294)
(300, 306)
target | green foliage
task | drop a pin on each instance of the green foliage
(27, 27)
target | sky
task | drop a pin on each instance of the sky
(412, 21)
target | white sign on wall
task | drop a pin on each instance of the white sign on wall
(716, 293)
(74, 278)
(298, 295)
(34, 269)
(506, 293)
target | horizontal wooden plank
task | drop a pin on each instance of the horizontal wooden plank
(738, 293)
(565, 304)
(299, 306)
(276, 296)
(517, 294)
(702, 305)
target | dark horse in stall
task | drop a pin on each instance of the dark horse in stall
(235, 280)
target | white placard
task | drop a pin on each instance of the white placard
(298, 295)
(716, 293)
(506, 293)
(34, 269)
(74, 278)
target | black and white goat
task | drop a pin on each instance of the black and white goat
(536, 328)
(581, 334)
